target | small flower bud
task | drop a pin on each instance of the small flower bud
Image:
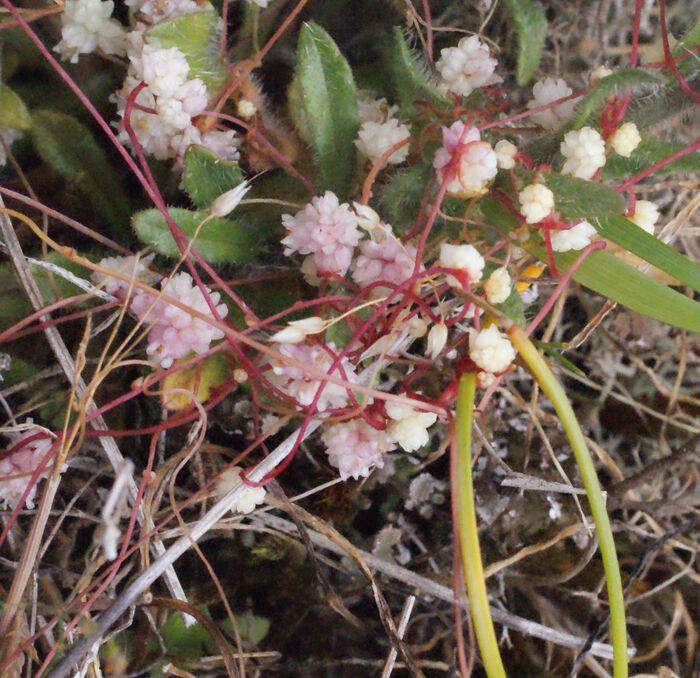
(497, 287)
(297, 330)
(367, 218)
(505, 154)
(625, 139)
(536, 202)
(246, 109)
(227, 202)
(646, 214)
(248, 499)
(437, 337)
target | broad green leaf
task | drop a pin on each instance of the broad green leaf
(610, 277)
(13, 112)
(329, 99)
(18, 371)
(531, 27)
(253, 628)
(623, 232)
(197, 37)
(616, 83)
(218, 240)
(409, 80)
(70, 149)
(513, 308)
(205, 176)
(651, 150)
(185, 642)
(580, 199)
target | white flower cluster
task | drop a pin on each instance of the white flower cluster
(132, 267)
(355, 448)
(505, 154)
(536, 203)
(86, 25)
(467, 67)
(498, 286)
(646, 214)
(410, 426)
(376, 138)
(27, 451)
(545, 92)
(584, 150)
(625, 139)
(476, 161)
(575, 238)
(464, 258)
(491, 350)
(249, 499)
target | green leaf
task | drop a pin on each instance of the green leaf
(205, 176)
(650, 151)
(197, 37)
(253, 628)
(691, 38)
(625, 233)
(531, 27)
(409, 80)
(70, 149)
(513, 308)
(218, 240)
(616, 83)
(580, 199)
(329, 100)
(13, 112)
(610, 277)
(184, 642)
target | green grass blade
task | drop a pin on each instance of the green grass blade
(531, 27)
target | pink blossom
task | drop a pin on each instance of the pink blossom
(22, 463)
(302, 385)
(326, 229)
(175, 332)
(354, 448)
(452, 137)
(384, 260)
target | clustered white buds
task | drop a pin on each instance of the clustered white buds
(299, 383)
(376, 138)
(476, 161)
(625, 139)
(17, 468)
(249, 499)
(86, 25)
(355, 448)
(575, 238)
(175, 332)
(465, 258)
(133, 267)
(326, 229)
(505, 154)
(498, 286)
(468, 66)
(536, 203)
(370, 109)
(491, 350)
(546, 91)
(584, 150)
(410, 426)
(646, 214)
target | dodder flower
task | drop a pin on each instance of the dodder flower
(646, 214)
(491, 350)
(468, 66)
(132, 267)
(625, 139)
(326, 229)
(464, 258)
(584, 150)
(536, 202)
(86, 25)
(410, 427)
(497, 287)
(376, 138)
(249, 499)
(175, 332)
(546, 91)
(575, 238)
(354, 448)
(22, 463)
(302, 385)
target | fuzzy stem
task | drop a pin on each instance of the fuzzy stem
(468, 533)
(555, 393)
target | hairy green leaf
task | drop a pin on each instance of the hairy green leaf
(581, 199)
(13, 112)
(409, 81)
(70, 149)
(205, 176)
(329, 99)
(197, 37)
(616, 83)
(625, 233)
(531, 28)
(218, 240)
(610, 277)
(650, 151)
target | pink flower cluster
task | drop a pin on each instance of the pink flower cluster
(175, 332)
(17, 468)
(354, 448)
(302, 385)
